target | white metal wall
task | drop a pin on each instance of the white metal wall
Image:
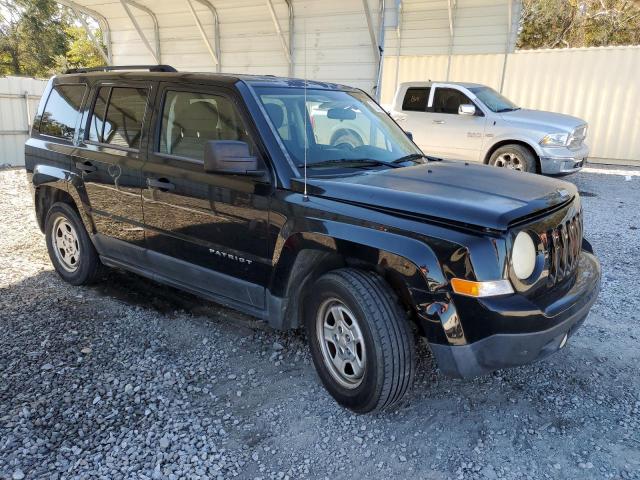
(15, 119)
(600, 85)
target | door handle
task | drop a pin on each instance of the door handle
(160, 184)
(439, 122)
(85, 167)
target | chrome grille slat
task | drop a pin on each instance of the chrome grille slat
(562, 248)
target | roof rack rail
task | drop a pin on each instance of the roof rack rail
(107, 68)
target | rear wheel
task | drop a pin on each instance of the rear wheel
(71, 252)
(360, 340)
(514, 157)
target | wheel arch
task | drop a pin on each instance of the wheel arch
(51, 185)
(409, 267)
(512, 141)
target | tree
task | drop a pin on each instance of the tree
(40, 38)
(82, 52)
(579, 23)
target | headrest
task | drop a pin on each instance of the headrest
(196, 114)
(276, 114)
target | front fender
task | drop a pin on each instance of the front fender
(409, 265)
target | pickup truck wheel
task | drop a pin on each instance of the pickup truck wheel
(514, 157)
(360, 339)
(73, 255)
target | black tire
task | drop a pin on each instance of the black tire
(514, 156)
(87, 263)
(389, 362)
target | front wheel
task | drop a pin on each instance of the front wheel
(514, 157)
(70, 249)
(360, 339)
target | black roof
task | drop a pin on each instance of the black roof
(123, 73)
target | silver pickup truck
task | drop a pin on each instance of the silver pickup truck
(472, 122)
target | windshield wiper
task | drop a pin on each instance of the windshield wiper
(415, 156)
(358, 162)
(502, 110)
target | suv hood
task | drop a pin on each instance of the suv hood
(551, 121)
(475, 196)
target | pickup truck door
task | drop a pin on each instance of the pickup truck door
(410, 113)
(453, 136)
(207, 232)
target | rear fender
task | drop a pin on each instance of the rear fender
(69, 182)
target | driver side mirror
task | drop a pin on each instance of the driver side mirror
(467, 109)
(409, 135)
(230, 157)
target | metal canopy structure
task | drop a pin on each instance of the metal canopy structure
(345, 40)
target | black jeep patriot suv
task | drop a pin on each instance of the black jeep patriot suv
(198, 181)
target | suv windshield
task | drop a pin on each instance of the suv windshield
(342, 127)
(493, 100)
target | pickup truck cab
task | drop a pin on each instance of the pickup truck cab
(473, 122)
(225, 186)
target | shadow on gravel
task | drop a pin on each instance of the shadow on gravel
(139, 291)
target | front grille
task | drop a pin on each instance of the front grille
(578, 136)
(562, 246)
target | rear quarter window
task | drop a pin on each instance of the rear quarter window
(415, 100)
(60, 115)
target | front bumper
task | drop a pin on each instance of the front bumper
(502, 350)
(558, 161)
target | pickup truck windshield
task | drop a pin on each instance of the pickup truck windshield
(493, 100)
(342, 127)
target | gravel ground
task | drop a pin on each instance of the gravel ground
(129, 379)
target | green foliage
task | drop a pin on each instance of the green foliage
(81, 52)
(579, 23)
(39, 38)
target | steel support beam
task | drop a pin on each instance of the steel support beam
(381, 19)
(372, 33)
(93, 38)
(507, 43)
(399, 42)
(99, 18)
(214, 50)
(155, 52)
(452, 6)
(286, 45)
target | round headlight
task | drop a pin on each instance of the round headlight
(523, 256)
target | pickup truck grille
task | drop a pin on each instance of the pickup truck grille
(578, 136)
(562, 246)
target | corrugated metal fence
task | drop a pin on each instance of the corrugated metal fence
(601, 85)
(19, 97)
(598, 84)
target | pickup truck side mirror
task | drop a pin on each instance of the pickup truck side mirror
(410, 135)
(467, 109)
(230, 157)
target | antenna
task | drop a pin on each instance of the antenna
(305, 197)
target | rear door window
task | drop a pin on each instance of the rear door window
(415, 100)
(60, 115)
(117, 116)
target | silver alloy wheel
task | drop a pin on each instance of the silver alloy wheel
(66, 244)
(341, 342)
(510, 160)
